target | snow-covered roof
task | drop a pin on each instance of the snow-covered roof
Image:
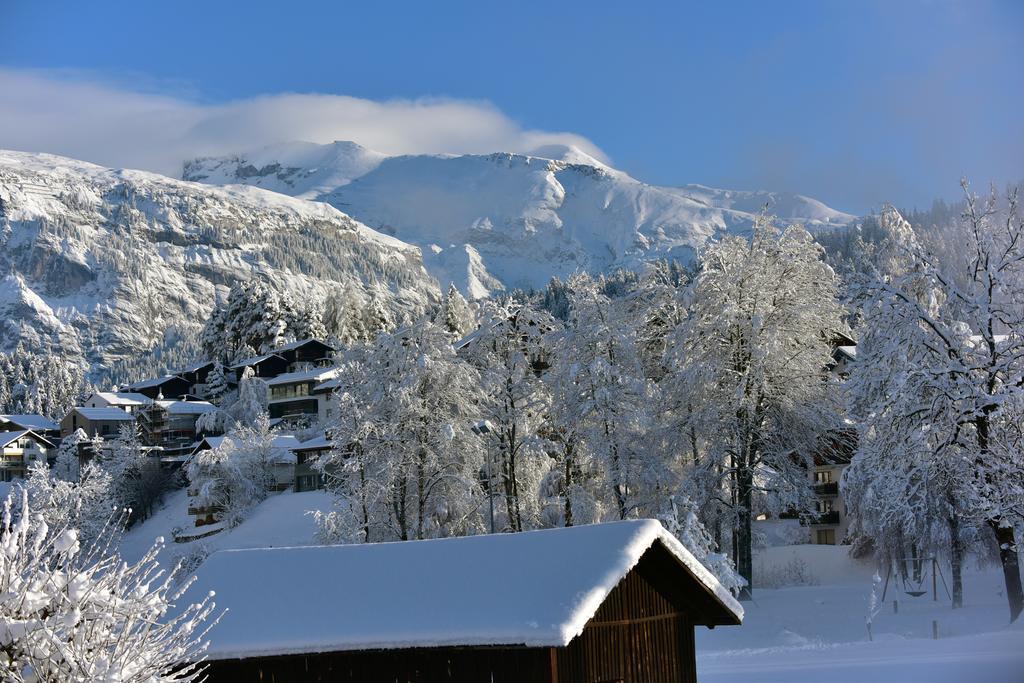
(154, 382)
(123, 398)
(316, 444)
(8, 437)
(195, 367)
(299, 343)
(253, 361)
(848, 351)
(314, 375)
(537, 588)
(33, 422)
(108, 414)
(186, 407)
(329, 385)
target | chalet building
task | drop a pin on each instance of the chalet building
(266, 365)
(167, 386)
(294, 394)
(829, 522)
(171, 427)
(605, 602)
(38, 424)
(19, 449)
(306, 477)
(295, 357)
(196, 376)
(129, 402)
(104, 422)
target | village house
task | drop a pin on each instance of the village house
(170, 426)
(196, 375)
(19, 449)
(829, 522)
(294, 394)
(103, 422)
(294, 357)
(306, 477)
(604, 602)
(129, 402)
(166, 386)
(39, 424)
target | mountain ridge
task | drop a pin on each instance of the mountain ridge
(527, 217)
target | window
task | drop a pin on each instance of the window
(824, 505)
(826, 537)
(823, 477)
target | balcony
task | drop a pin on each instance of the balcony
(828, 489)
(821, 519)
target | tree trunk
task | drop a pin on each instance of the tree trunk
(956, 558)
(744, 531)
(567, 487)
(1011, 567)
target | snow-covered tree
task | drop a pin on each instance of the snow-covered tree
(139, 481)
(455, 314)
(682, 522)
(749, 370)
(255, 315)
(405, 460)
(597, 357)
(66, 466)
(34, 383)
(86, 504)
(239, 473)
(948, 334)
(510, 351)
(75, 615)
(216, 381)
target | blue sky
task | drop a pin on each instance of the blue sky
(853, 103)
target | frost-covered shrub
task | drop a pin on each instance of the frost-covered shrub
(796, 572)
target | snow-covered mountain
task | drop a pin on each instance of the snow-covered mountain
(102, 263)
(509, 220)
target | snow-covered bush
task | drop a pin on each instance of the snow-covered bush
(796, 572)
(75, 616)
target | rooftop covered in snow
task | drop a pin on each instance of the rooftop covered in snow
(535, 589)
(33, 422)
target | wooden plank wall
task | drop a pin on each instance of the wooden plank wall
(637, 636)
(426, 665)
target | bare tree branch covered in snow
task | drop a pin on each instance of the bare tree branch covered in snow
(74, 615)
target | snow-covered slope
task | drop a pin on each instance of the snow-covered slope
(487, 221)
(101, 263)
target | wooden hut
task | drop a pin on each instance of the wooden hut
(587, 604)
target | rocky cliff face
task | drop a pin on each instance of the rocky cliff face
(105, 264)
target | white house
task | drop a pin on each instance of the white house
(19, 449)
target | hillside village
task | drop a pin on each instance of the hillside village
(365, 343)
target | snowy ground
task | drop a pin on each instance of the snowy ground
(281, 520)
(817, 632)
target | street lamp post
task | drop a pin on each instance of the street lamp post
(485, 427)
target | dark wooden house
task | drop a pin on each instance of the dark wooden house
(587, 604)
(167, 386)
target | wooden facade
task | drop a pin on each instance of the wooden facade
(643, 632)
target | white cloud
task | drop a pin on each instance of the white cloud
(84, 118)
